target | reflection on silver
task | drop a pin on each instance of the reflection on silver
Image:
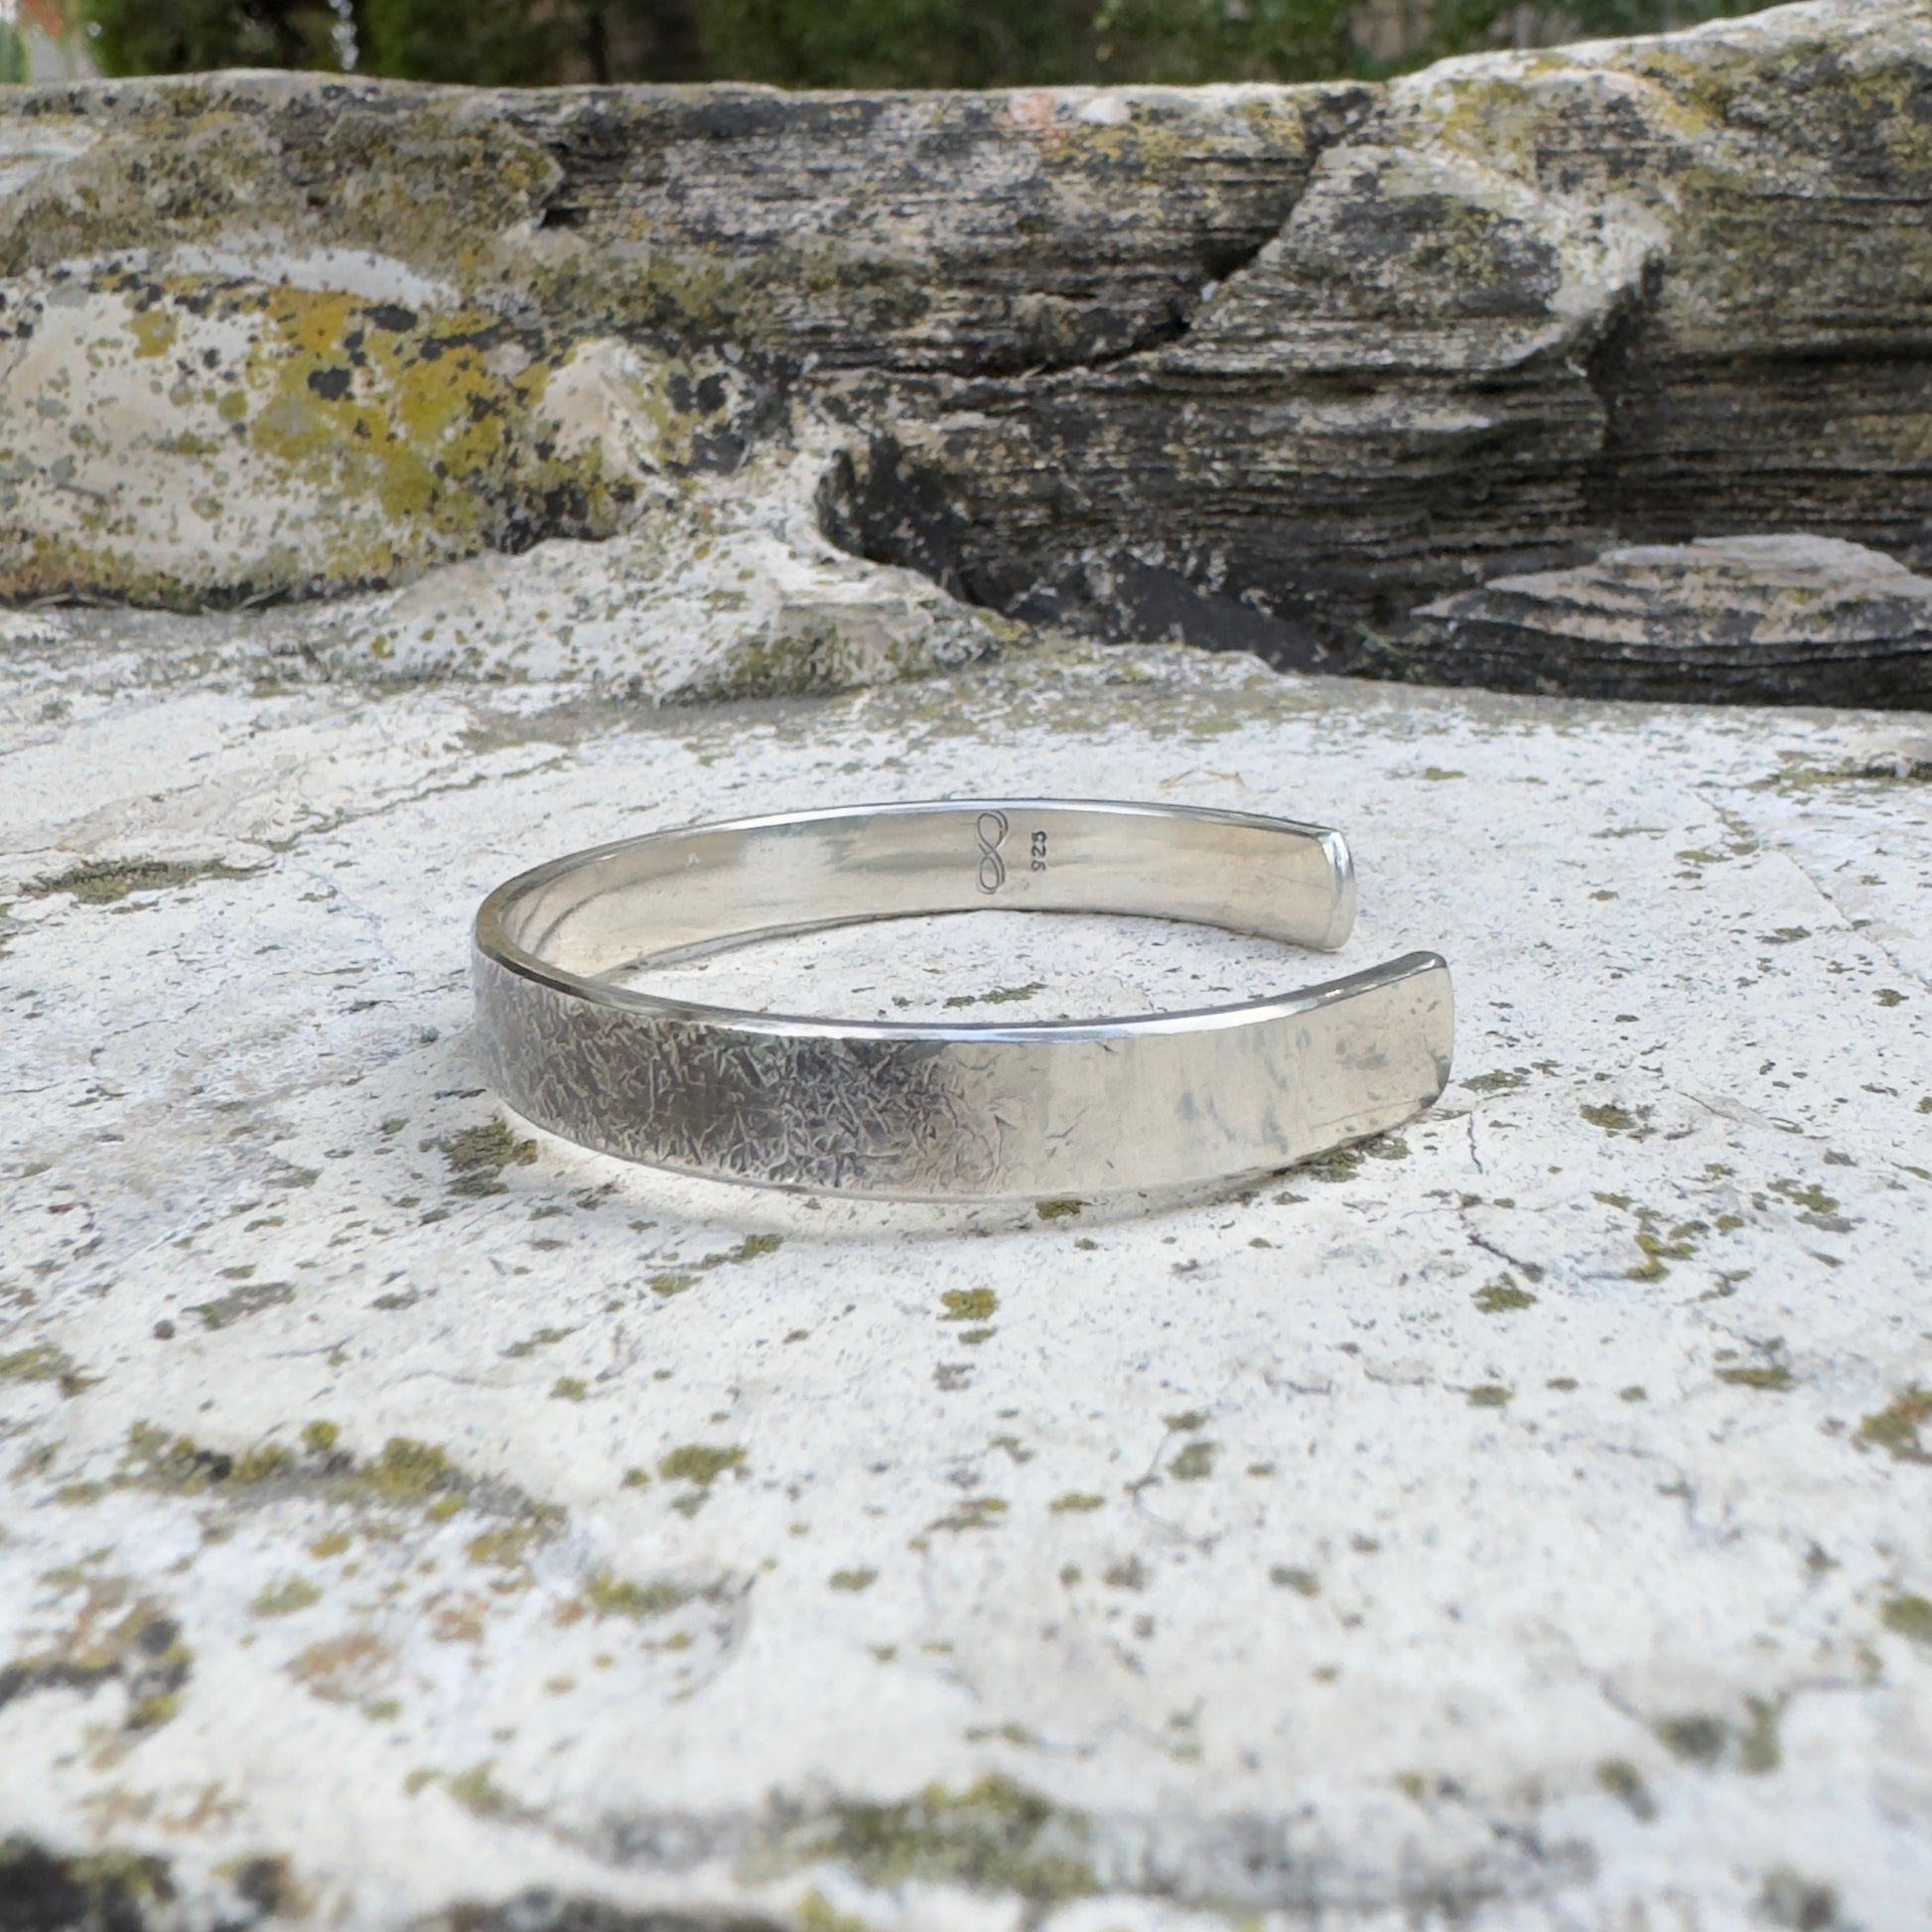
(927, 1111)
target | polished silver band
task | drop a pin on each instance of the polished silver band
(930, 1111)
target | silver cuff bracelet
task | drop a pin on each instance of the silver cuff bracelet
(942, 1111)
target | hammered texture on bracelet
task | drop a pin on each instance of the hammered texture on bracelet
(947, 1111)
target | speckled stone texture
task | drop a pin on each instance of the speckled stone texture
(407, 1519)
(1262, 367)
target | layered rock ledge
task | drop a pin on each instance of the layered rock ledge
(1272, 367)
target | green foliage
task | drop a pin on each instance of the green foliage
(484, 43)
(824, 43)
(184, 36)
(889, 43)
(1462, 26)
(1184, 41)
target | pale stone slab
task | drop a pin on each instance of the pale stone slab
(1522, 1520)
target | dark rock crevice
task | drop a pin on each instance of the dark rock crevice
(42, 1891)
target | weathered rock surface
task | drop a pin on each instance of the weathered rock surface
(407, 1520)
(737, 594)
(1724, 616)
(1259, 366)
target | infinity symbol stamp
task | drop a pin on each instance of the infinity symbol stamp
(991, 828)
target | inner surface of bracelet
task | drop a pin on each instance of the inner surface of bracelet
(669, 895)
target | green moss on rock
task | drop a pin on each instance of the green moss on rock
(995, 1836)
(1910, 1616)
(478, 1155)
(106, 882)
(45, 1363)
(701, 1464)
(406, 1472)
(284, 1598)
(1503, 1297)
(1895, 1428)
(608, 1596)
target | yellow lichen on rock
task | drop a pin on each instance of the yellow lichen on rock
(209, 439)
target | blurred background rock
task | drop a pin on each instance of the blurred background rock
(803, 42)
